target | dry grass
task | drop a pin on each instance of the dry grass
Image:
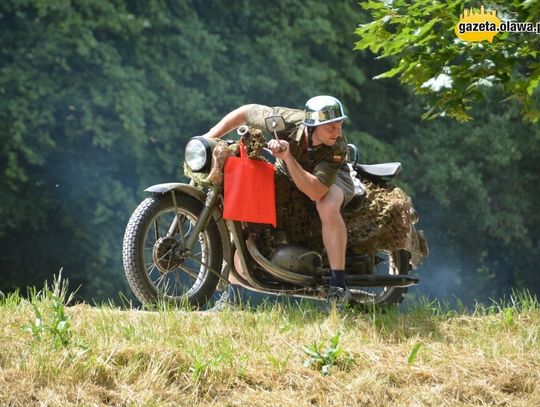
(490, 357)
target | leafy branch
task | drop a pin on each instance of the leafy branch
(419, 41)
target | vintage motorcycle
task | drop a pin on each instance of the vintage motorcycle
(177, 247)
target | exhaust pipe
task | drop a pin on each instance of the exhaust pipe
(371, 280)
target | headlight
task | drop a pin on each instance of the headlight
(198, 154)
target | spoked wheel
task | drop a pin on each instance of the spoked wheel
(157, 263)
(385, 263)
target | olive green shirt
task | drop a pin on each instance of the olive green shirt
(324, 162)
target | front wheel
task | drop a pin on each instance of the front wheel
(156, 264)
(384, 263)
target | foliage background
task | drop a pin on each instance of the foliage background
(98, 98)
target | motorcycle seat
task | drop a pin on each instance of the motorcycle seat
(385, 171)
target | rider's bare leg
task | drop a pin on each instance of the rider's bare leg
(334, 231)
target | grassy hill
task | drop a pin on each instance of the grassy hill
(425, 355)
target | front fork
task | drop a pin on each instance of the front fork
(211, 200)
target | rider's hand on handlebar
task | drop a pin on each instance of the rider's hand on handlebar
(280, 149)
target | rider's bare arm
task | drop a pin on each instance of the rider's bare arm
(229, 122)
(306, 182)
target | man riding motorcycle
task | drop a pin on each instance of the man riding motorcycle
(313, 156)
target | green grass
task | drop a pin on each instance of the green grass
(54, 354)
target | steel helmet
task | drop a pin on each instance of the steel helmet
(321, 110)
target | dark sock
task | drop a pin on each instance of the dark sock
(337, 278)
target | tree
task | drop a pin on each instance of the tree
(89, 115)
(419, 40)
(98, 99)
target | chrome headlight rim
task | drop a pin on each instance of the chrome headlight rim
(206, 147)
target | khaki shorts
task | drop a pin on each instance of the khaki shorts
(345, 183)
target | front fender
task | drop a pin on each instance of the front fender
(169, 186)
(201, 197)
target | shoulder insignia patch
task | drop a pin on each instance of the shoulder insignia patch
(337, 158)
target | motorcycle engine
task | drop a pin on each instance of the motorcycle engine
(296, 259)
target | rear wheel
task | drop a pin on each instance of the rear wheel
(385, 263)
(156, 264)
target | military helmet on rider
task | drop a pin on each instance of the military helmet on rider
(321, 110)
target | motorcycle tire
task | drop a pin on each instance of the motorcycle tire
(387, 296)
(153, 266)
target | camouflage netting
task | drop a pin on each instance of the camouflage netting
(254, 143)
(297, 215)
(220, 153)
(378, 220)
